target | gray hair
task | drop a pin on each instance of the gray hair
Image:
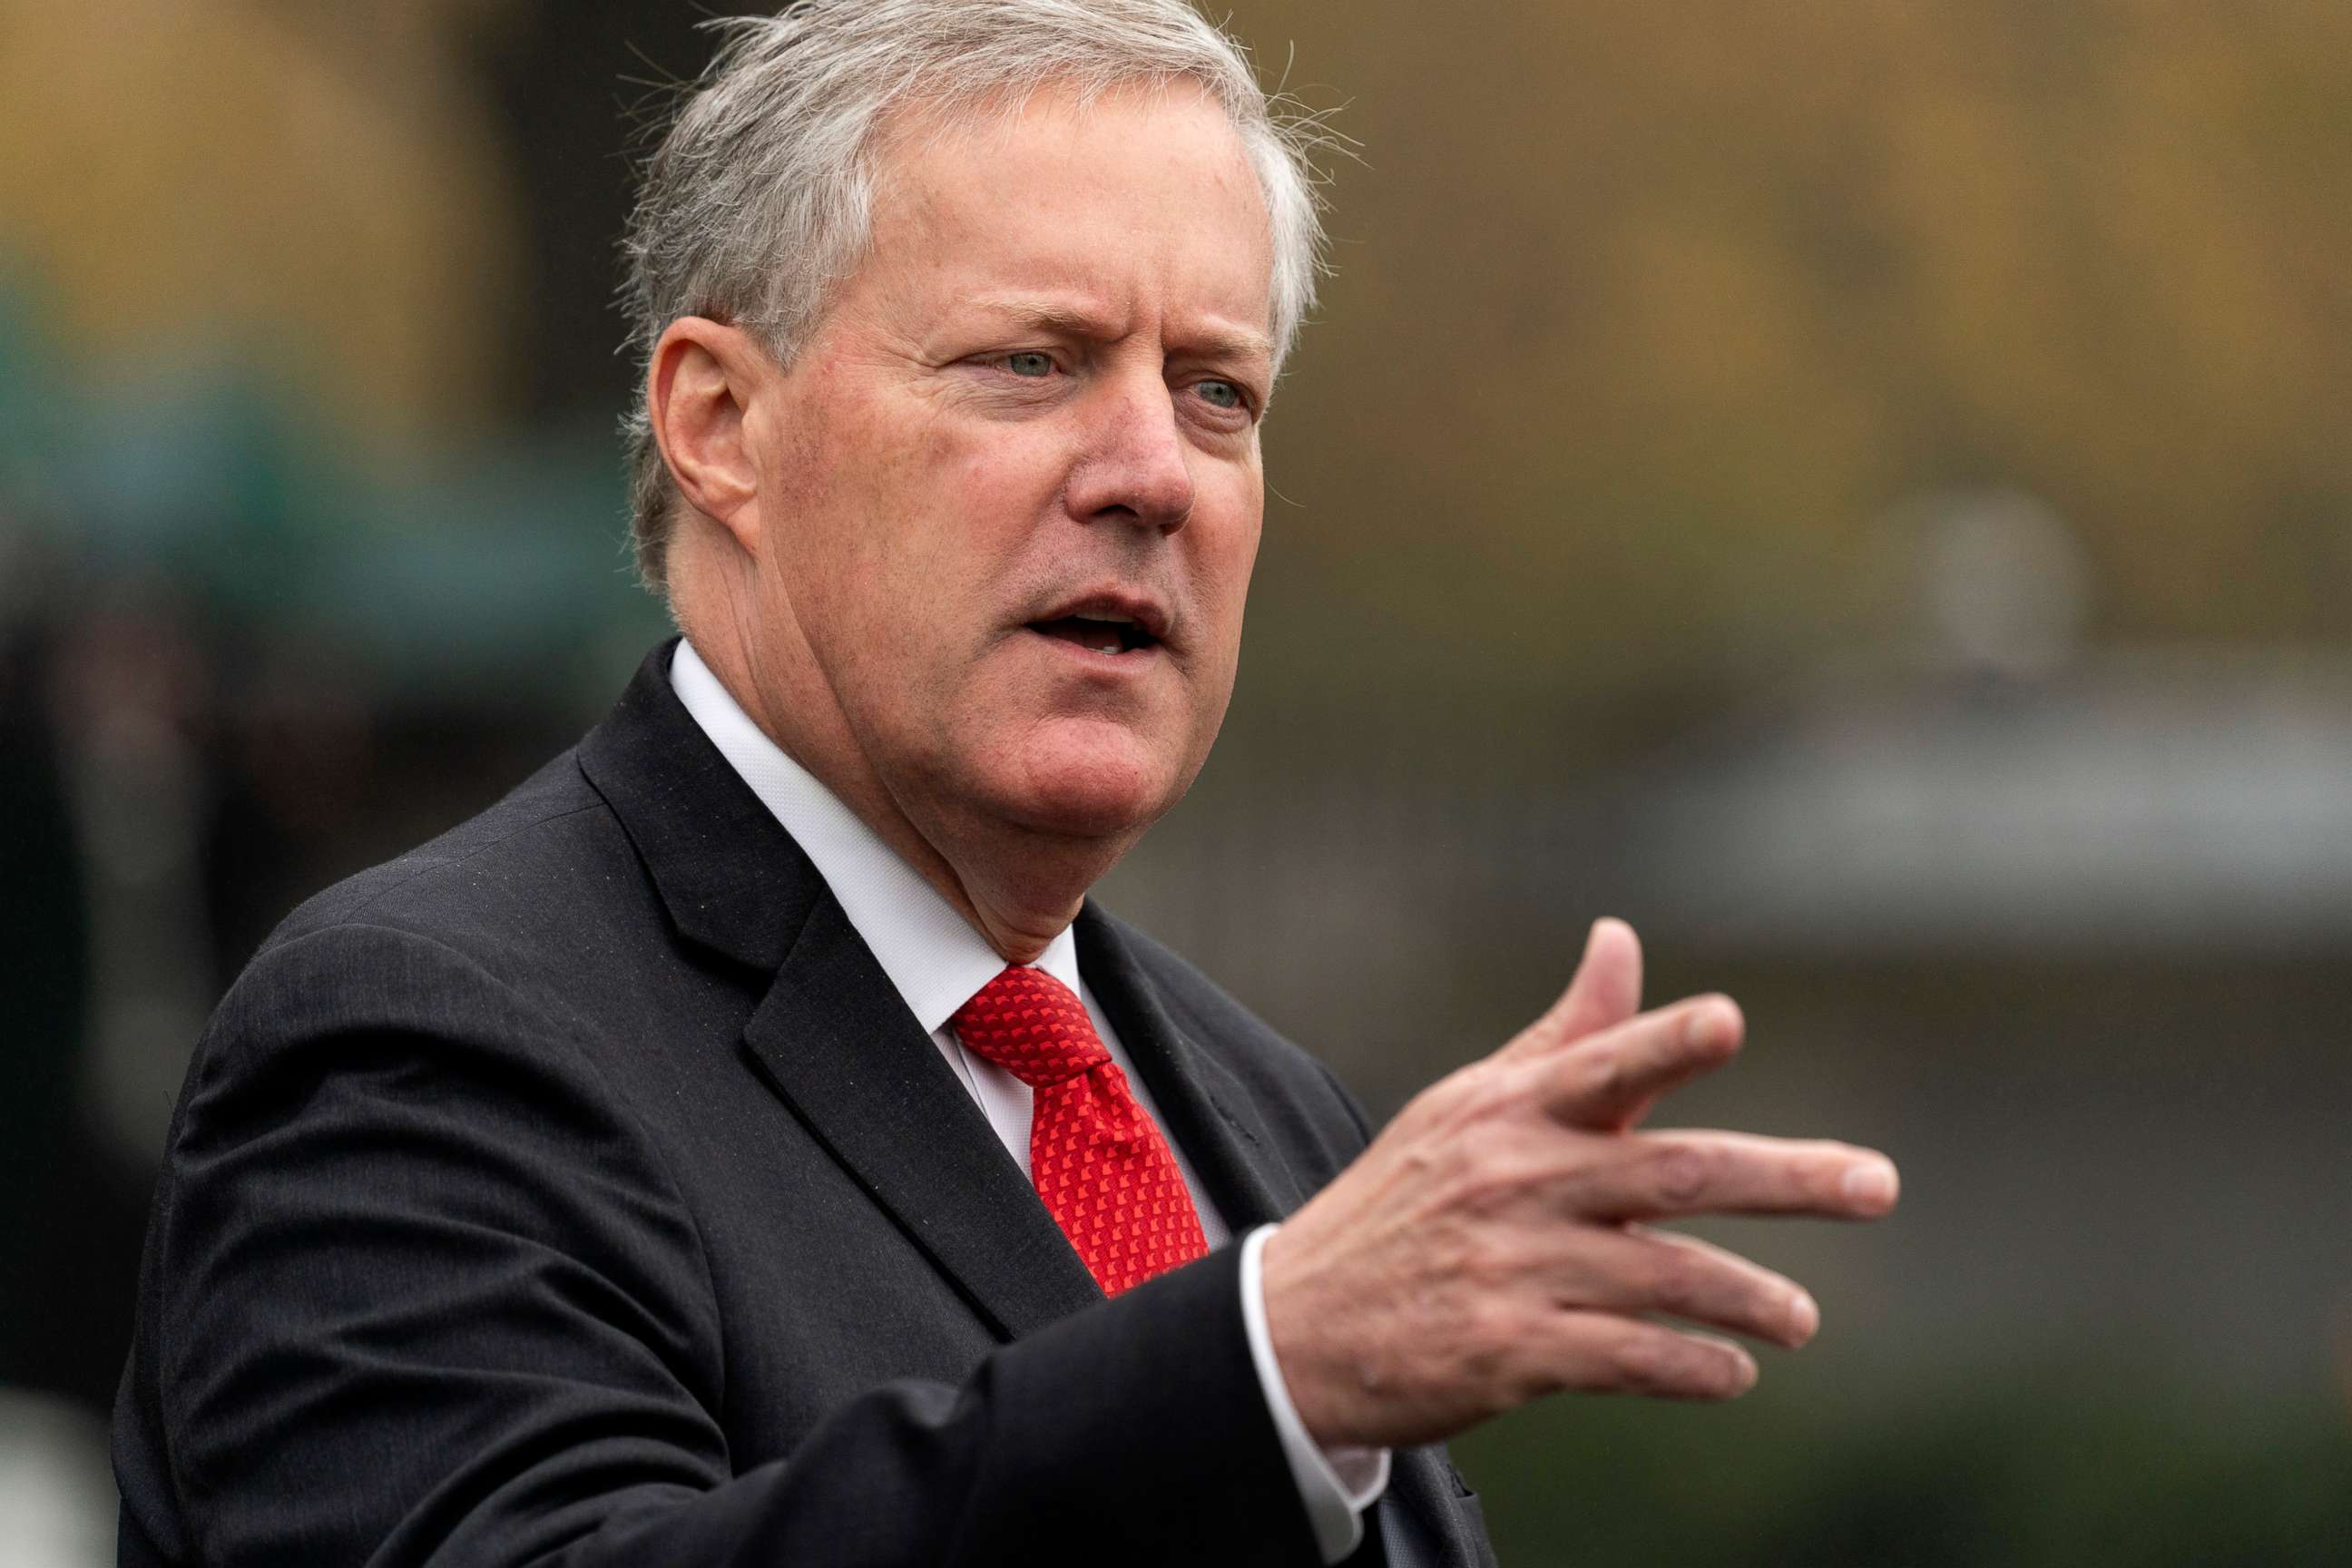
(759, 198)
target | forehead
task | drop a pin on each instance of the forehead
(1141, 198)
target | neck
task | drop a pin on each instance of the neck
(1019, 887)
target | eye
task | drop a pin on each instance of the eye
(1029, 363)
(1221, 395)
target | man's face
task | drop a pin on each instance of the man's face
(1011, 489)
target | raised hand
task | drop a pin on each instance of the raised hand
(1488, 1248)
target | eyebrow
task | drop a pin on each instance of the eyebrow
(1215, 341)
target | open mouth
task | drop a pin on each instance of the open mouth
(1102, 634)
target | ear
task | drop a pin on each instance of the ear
(700, 388)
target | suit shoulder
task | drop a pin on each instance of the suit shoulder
(501, 916)
(487, 957)
(481, 887)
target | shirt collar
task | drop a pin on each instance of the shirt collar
(931, 953)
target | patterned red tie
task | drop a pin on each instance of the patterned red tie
(1107, 1175)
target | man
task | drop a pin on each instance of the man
(745, 1144)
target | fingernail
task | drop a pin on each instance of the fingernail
(1743, 1373)
(1804, 1317)
(1871, 1184)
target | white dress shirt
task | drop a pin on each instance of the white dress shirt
(937, 961)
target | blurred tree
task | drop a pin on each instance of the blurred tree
(315, 185)
(1644, 315)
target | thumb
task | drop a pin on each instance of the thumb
(1605, 992)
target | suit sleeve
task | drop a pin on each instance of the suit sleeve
(421, 1290)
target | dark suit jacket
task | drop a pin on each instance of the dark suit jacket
(576, 1189)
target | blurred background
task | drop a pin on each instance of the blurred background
(1861, 490)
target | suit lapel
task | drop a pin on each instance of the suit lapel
(731, 877)
(835, 1039)
(1209, 1114)
(832, 1035)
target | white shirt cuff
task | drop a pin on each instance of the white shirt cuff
(1336, 1486)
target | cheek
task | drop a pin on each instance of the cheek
(1000, 482)
(866, 520)
(934, 537)
(1226, 555)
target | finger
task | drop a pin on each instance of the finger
(1660, 1175)
(1608, 1081)
(1635, 1271)
(1602, 1353)
(1606, 991)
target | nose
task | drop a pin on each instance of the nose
(1136, 466)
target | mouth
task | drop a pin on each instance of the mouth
(1112, 625)
(1100, 635)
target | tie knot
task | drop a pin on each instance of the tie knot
(1031, 1025)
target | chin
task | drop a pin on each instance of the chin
(1097, 789)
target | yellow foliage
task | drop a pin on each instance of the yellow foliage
(1647, 313)
(307, 183)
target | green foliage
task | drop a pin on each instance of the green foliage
(2098, 1468)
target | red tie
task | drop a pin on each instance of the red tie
(1107, 1175)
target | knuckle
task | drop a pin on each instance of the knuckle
(1432, 1106)
(1492, 1177)
(1534, 1375)
(1677, 1282)
(1606, 1079)
(1676, 1365)
(1683, 1174)
(1493, 1333)
(1482, 1263)
(1490, 1101)
(1645, 1362)
(1473, 1093)
(1451, 1169)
